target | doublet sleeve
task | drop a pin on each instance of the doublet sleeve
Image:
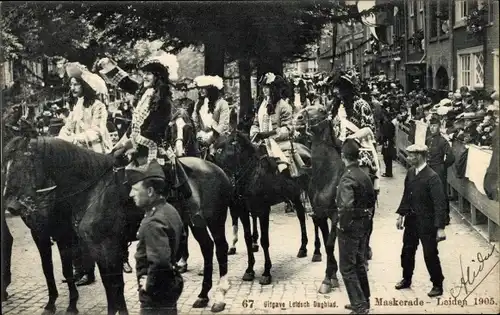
(223, 124)
(283, 132)
(98, 124)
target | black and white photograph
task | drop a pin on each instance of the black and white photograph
(250, 157)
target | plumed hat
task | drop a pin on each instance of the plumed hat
(160, 61)
(209, 80)
(350, 148)
(77, 70)
(135, 174)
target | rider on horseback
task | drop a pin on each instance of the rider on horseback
(211, 114)
(184, 102)
(152, 112)
(273, 121)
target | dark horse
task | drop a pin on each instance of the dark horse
(327, 168)
(88, 199)
(258, 186)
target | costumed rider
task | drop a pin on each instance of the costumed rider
(146, 137)
(86, 124)
(211, 114)
(299, 100)
(273, 123)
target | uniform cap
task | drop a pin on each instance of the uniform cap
(135, 174)
(350, 148)
(417, 148)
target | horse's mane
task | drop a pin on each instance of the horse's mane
(73, 160)
(182, 113)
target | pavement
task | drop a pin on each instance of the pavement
(470, 266)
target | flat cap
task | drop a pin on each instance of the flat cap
(350, 148)
(135, 174)
(417, 148)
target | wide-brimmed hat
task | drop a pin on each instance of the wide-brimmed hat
(77, 70)
(161, 61)
(209, 80)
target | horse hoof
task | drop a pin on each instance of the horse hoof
(200, 272)
(335, 283)
(231, 251)
(72, 311)
(325, 288)
(302, 253)
(265, 280)
(255, 248)
(249, 276)
(200, 303)
(51, 311)
(316, 258)
(218, 307)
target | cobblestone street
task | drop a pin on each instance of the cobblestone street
(294, 279)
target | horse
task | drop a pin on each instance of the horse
(327, 168)
(258, 187)
(183, 139)
(90, 200)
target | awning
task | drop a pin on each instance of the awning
(421, 61)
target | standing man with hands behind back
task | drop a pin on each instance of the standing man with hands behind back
(423, 207)
(160, 232)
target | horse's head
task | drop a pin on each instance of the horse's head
(311, 118)
(179, 127)
(233, 151)
(25, 182)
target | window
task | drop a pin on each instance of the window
(461, 10)
(471, 68)
(411, 7)
(420, 15)
(496, 74)
(433, 8)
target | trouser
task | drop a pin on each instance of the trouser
(368, 236)
(388, 164)
(352, 251)
(410, 243)
(82, 259)
(7, 241)
(162, 303)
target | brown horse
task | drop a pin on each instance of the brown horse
(90, 200)
(327, 168)
(258, 187)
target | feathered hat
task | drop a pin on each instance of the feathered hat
(184, 83)
(77, 70)
(208, 80)
(160, 61)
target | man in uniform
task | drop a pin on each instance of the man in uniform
(423, 207)
(439, 157)
(184, 102)
(160, 233)
(356, 202)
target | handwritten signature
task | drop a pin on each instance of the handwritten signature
(469, 277)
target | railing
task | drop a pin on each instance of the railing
(476, 208)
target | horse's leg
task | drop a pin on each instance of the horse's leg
(45, 249)
(221, 251)
(247, 234)
(330, 281)
(183, 246)
(233, 210)
(65, 251)
(207, 249)
(7, 241)
(317, 242)
(301, 215)
(255, 234)
(111, 270)
(264, 241)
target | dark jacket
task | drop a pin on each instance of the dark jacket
(159, 236)
(439, 151)
(388, 131)
(155, 125)
(355, 196)
(423, 203)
